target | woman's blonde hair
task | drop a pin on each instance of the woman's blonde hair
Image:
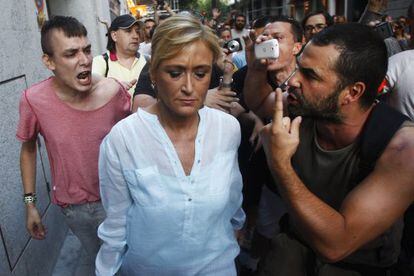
(177, 32)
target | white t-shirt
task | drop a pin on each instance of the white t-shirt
(400, 77)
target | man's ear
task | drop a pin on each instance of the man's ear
(48, 62)
(297, 47)
(354, 92)
(113, 35)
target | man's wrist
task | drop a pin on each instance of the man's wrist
(29, 198)
(282, 167)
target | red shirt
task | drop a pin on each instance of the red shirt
(72, 138)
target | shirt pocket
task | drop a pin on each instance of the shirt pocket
(146, 187)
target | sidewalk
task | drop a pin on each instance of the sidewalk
(70, 259)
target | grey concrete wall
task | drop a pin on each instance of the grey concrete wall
(87, 12)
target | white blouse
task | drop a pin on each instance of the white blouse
(160, 221)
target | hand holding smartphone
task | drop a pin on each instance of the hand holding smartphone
(267, 49)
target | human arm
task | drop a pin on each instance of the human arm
(156, 15)
(214, 20)
(373, 11)
(28, 172)
(254, 138)
(116, 201)
(258, 94)
(168, 8)
(368, 211)
(220, 99)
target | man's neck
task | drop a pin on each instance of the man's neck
(68, 94)
(333, 136)
(282, 75)
(126, 58)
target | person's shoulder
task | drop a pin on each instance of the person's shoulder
(400, 150)
(109, 87)
(402, 59)
(99, 65)
(98, 62)
(99, 58)
(227, 121)
(123, 128)
(39, 88)
(403, 55)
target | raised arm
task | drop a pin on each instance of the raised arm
(258, 94)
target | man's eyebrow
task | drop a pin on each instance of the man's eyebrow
(70, 50)
(308, 72)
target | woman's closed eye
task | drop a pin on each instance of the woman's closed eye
(200, 74)
(174, 74)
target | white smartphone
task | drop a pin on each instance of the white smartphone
(267, 49)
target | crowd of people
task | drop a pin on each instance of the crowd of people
(178, 146)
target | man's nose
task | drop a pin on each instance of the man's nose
(84, 58)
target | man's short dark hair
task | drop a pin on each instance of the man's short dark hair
(261, 22)
(149, 20)
(297, 30)
(328, 18)
(363, 56)
(70, 26)
(240, 15)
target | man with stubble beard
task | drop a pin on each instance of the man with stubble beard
(344, 205)
(239, 30)
(73, 112)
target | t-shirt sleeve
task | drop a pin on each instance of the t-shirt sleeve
(28, 125)
(392, 72)
(99, 65)
(144, 83)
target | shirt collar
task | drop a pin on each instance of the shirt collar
(112, 56)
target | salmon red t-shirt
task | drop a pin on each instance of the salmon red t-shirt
(72, 138)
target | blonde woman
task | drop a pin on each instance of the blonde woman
(169, 177)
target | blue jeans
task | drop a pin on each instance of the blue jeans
(83, 220)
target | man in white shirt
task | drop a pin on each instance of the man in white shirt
(239, 29)
(145, 46)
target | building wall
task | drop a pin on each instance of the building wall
(21, 67)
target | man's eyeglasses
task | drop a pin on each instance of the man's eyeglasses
(317, 27)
